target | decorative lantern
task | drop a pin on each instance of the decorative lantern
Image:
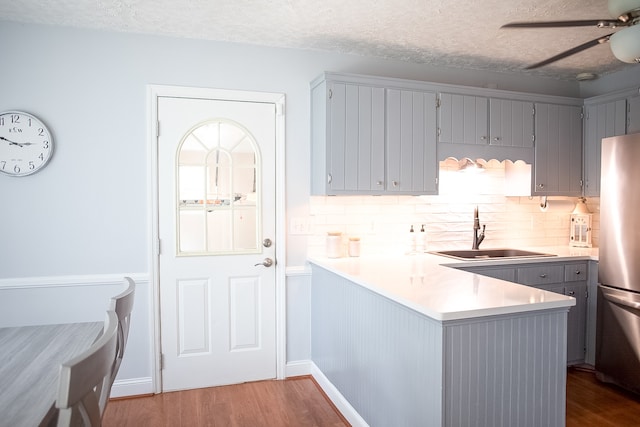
(581, 219)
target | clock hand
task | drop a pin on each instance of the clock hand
(12, 142)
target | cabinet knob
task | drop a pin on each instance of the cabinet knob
(497, 138)
(394, 183)
(571, 293)
(543, 275)
(483, 138)
(577, 272)
(540, 185)
(379, 183)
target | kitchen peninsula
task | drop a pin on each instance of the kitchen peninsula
(409, 341)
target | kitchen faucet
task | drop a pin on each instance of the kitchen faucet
(476, 226)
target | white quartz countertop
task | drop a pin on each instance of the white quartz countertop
(427, 284)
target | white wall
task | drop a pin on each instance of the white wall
(87, 212)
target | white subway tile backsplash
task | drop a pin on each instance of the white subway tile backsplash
(382, 222)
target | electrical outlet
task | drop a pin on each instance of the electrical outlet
(300, 226)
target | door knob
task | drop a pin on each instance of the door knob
(268, 262)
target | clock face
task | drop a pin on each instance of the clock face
(25, 143)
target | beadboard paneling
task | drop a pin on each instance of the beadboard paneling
(367, 347)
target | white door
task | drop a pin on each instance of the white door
(216, 219)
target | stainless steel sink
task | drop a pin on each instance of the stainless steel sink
(479, 254)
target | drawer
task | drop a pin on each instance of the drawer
(541, 274)
(575, 272)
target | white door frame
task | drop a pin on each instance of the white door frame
(153, 93)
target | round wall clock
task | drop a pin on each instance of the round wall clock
(25, 143)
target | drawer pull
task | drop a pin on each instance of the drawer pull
(577, 272)
(544, 276)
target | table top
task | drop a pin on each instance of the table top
(30, 358)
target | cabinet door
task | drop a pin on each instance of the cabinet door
(356, 138)
(411, 142)
(602, 121)
(510, 123)
(558, 150)
(502, 273)
(633, 114)
(577, 322)
(463, 119)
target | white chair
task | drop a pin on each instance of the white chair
(122, 304)
(86, 379)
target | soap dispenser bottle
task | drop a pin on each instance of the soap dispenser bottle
(421, 245)
(412, 241)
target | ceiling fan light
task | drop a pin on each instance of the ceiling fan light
(618, 8)
(625, 44)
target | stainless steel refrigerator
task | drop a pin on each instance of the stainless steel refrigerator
(618, 317)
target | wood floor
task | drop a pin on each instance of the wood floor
(294, 402)
(300, 402)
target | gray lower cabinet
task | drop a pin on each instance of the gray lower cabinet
(398, 367)
(569, 278)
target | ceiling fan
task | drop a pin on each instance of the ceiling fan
(625, 43)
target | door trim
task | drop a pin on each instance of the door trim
(153, 93)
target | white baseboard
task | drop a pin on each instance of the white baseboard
(132, 387)
(337, 398)
(298, 368)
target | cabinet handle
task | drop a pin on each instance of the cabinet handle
(543, 276)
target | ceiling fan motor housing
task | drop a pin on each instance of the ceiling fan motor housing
(625, 44)
(617, 8)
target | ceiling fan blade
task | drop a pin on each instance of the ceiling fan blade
(572, 51)
(600, 23)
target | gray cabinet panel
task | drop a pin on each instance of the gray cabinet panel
(633, 114)
(411, 142)
(558, 150)
(541, 274)
(602, 121)
(511, 123)
(463, 119)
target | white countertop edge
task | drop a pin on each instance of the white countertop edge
(441, 262)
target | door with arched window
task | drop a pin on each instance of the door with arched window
(216, 200)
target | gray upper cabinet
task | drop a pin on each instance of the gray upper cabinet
(463, 119)
(372, 136)
(633, 114)
(411, 142)
(468, 119)
(347, 132)
(601, 121)
(558, 150)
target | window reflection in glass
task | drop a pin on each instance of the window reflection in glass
(217, 190)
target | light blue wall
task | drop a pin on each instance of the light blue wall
(87, 212)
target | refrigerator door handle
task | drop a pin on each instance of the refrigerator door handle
(622, 301)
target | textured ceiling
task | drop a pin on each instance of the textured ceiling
(451, 33)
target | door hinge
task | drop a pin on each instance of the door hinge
(438, 132)
(437, 102)
(157, 129)
(158, 248)
(161, 361)
(330, 93)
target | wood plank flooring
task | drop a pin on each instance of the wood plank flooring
(300, 402)
(292, 402)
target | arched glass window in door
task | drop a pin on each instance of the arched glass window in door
(218, 191)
